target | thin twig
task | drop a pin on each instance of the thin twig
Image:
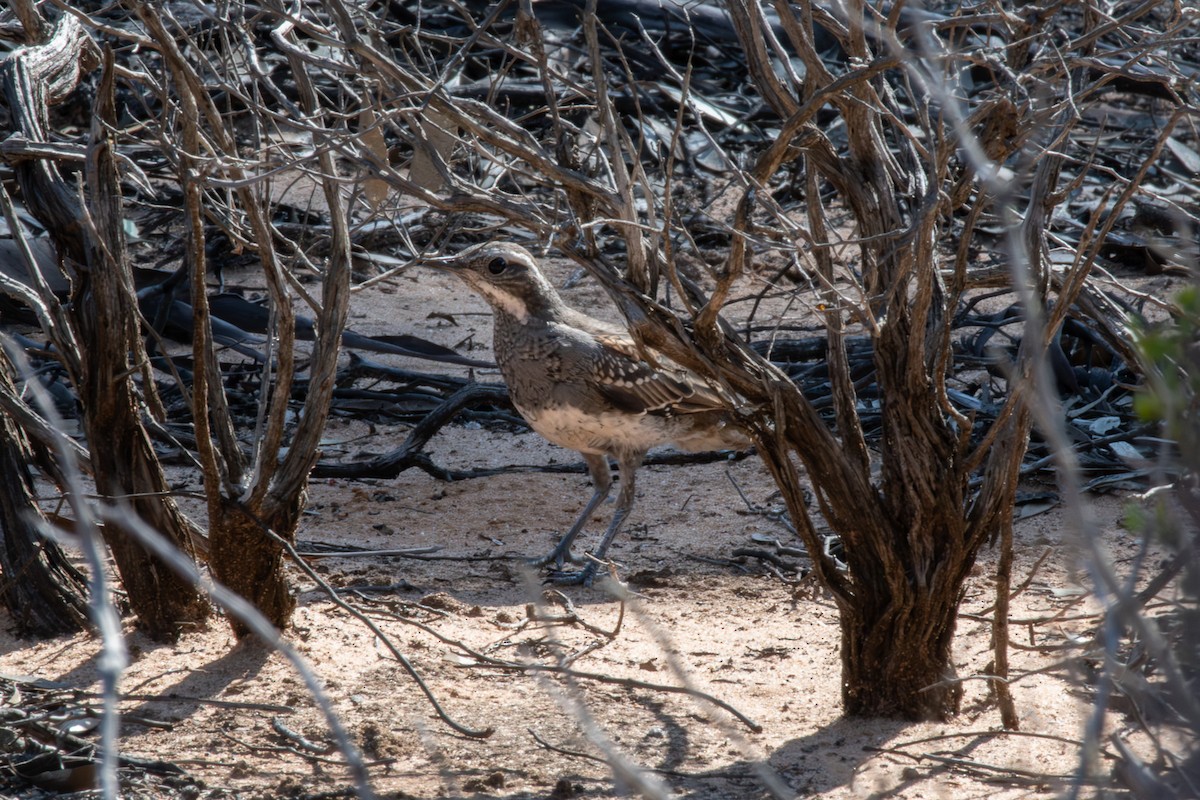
(474, 733)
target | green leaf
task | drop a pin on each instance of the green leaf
(1148, 407)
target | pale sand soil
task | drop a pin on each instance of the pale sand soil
(767, 647)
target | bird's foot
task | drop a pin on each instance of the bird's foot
(564, 577)
(559, 557)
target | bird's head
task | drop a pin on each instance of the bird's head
(505, 275)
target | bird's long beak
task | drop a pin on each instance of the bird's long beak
(443, 263)
(454, 261)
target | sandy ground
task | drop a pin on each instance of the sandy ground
(762, 642)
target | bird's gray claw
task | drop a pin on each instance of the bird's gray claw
(559, 560)
(562, 577)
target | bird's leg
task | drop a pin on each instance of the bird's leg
(627, 465)
(602, 481)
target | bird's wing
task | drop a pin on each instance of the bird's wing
(634, 386)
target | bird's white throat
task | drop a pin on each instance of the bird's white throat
(504, 301)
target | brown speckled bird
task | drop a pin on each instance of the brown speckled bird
(581, 383)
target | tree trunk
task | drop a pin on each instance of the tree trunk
(250, 561)
(123, 458)
(43, 592)
(909, 554)
(897, 658)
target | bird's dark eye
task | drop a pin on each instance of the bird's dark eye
(497, 265)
